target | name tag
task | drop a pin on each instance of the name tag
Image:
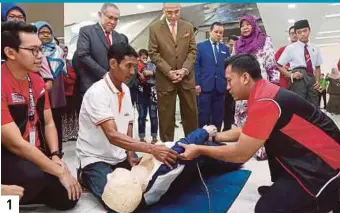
(32, 136)
(223, 52)
(17, 98)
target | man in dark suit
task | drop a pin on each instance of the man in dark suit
(172, 48)
(210, 77)
(93, 44)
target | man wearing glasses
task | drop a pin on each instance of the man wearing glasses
(28, 134)
(12, 12)
(93, 44)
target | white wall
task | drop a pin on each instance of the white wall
(330, 56)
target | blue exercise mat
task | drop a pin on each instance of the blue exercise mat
(223, 189)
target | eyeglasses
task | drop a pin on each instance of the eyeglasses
(111, 18)
(14, 17)
(35, 51)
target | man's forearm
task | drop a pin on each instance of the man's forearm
(128, 143)
(51, 137)
(317, 74)
(284, 71)
(229, 136)
(227, 153)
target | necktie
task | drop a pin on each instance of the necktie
(308, 59)
(215, 51)
(173, 33)
(108, 39)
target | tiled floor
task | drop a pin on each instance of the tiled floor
(245, 203)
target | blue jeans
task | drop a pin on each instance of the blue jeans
(147, 102)
(94, 177)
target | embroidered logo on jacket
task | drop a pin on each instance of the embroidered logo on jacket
(17, 98)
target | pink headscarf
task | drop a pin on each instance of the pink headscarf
(252, 43)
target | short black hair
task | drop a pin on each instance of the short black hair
(216, 23)
(10, 34)
(143, 52)
(120, 50)
(292, 27)
(245, 63)
(233, 37)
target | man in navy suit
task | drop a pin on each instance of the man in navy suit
(210, 77)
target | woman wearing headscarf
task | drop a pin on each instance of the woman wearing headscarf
(70, 115)
(12, 12)
(333, 105)
(55, 58)
(254, 41)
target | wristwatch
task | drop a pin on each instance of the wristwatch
(57, 153)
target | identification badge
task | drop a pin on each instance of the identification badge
(32, 136)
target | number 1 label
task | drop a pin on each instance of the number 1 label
(9, 204)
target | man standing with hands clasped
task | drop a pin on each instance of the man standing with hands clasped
(172, 48)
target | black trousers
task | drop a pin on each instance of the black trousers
(229, 111)
(323, 95)
(287, 196)
(57, 113)
(40, 187)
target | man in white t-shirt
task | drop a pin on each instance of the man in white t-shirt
(105, 124)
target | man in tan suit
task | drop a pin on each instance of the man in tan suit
(172, 48)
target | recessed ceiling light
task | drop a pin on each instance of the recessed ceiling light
(328, 44)
(291, 6)
(333, 15)
(329, 32)
(140, 7)
(291, 21)
(327, 37)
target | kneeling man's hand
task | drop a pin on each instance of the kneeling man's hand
(71, 185)
(191, 151)
(164, 155)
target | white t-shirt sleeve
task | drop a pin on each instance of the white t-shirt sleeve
(286, 56)
(98, 106)
(319, 60)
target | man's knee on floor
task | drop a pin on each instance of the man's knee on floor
(66, 204)
(262, 207)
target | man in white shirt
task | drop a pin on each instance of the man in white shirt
(106, 121)
(305, 60)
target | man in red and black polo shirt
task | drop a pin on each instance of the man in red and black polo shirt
(301, 139)
(29, 142)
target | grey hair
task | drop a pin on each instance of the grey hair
(106, 5)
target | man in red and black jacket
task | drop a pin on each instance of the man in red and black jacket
(29, 143)
(298, 136)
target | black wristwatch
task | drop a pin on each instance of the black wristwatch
(57, 153)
